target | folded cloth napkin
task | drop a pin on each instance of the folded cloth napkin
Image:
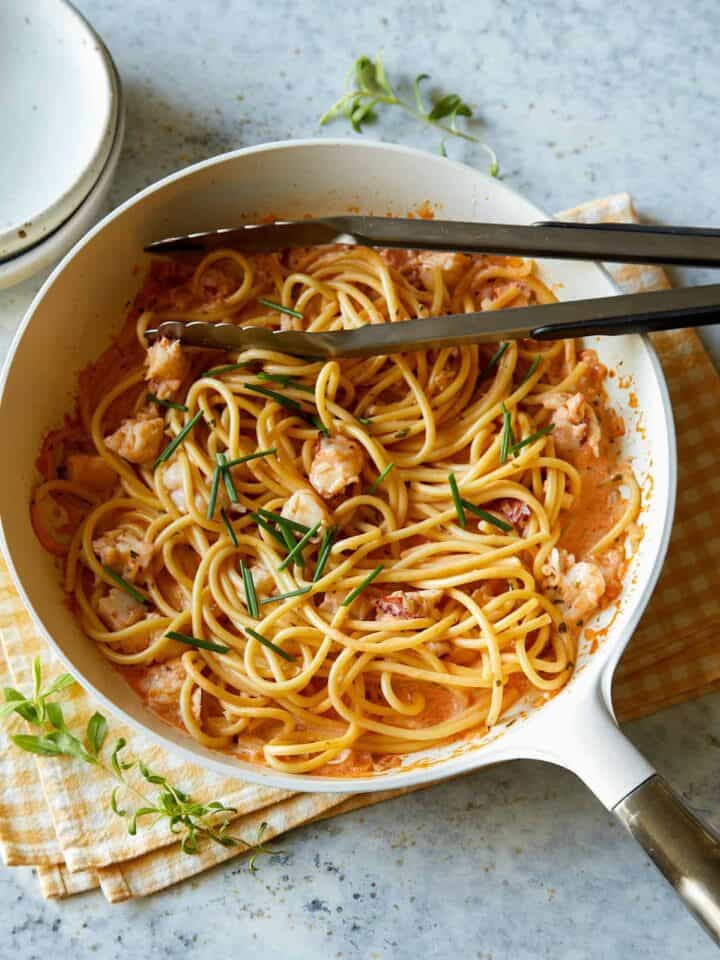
(55, 814)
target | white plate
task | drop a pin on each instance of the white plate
(58, 110)
(44, 254)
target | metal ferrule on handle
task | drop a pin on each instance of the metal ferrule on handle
(682, 847)
(588, 741)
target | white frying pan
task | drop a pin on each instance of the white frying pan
(82, 303)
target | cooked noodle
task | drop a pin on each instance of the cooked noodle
(458, 621)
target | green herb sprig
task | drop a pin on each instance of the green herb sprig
(124, 585)
(493, 362)
(488, 517)
(252, 456)
(380, 477)
(457, 500)
(280, 308)
(362, 585)
(191, 822)
(227, 368)
(286, 380)
(250, 594)
(507, 438)
(175, 443)
(285, 596)
(169, 404)
(368, 89)
(197, 642)
(324, 553)
(296, 553)
(531, 369)
(229, 527)
(543, 432)
(270, 645)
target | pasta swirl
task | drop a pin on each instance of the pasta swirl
(324, 566)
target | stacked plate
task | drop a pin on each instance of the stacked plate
(61, 111)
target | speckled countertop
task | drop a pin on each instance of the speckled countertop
(519, 861)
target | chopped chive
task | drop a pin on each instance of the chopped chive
(261, 522)
(285, 596)
(379, 479)
(124, 585)
(228, 368)
(269, 644)
(297, 549)
(153, 398)
(507, 440)
(318, 424)
(533, 437)
(458, 502)
(285, 380)
(276, 518)
(361, 586)
(194, 642)
(364, 420)
(493, 362)
(228, 527)
(271, 305)
(401, 434)
(484, 515)
(175, 443)
(227, 477)
(286, 402)
(214, 486)
(287, 535)
(252, 456)
(531, 369)
(250, 594)
(324, 553)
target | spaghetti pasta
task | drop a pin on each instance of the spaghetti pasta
(323, 566)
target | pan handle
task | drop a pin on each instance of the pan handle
(585, 738)
(682, 847)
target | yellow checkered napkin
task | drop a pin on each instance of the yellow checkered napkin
(674, 654)
(54, 814)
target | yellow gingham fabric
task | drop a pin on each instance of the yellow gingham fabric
(54, 814)
(674, 653)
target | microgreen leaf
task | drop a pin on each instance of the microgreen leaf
(97, 730)
(62, 682)
(41, 746)
(370, 89)
(54, 713)
(418, 93)
(185, 816)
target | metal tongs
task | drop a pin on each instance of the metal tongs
(608, 316)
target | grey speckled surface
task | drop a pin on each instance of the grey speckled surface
(519, 861)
